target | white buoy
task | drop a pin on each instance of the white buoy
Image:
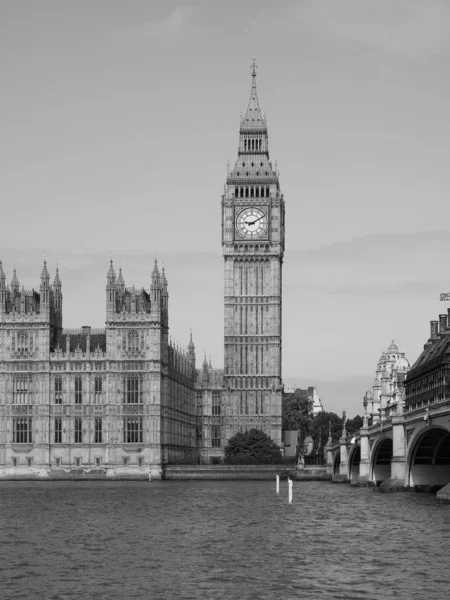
(277, 477)
(290, 490)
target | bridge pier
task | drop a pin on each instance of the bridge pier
(363, 478)
(343, 466)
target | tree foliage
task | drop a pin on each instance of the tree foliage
(297, 412)
(253, 446)
(354, 425)
(320, 428)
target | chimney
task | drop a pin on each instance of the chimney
(442, 323)
(433, 329)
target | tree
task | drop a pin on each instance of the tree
(354, 425)
(297, 412)
(253, 446)
(320, 428)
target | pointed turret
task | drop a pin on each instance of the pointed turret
(253, 118)
(2, 289)
(164, 288)
(155, 288)
(14, 283)
(44, 290)
(57, 295)
(253, 166)
(120, 282)
(111, 292)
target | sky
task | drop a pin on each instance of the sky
(118, 120)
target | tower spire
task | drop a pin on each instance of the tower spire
(253, 118)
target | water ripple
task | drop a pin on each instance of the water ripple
(221, 540)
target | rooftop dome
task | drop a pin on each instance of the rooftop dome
(393, 348)
(401, 363)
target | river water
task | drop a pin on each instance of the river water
(219, 540)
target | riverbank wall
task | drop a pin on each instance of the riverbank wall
(168, 472)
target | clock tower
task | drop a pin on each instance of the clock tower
(253, 248)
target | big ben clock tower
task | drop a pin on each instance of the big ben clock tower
(253, 248)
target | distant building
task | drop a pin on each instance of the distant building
(427, 382)
(310, 393)
(387, 389)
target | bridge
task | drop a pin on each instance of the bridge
(408, 449)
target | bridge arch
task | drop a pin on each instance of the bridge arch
(336, 463)
(381, 457)
(354, 458)
(428, 462)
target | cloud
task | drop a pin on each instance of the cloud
(403, 27)
(168, 29)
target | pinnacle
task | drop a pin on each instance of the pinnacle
(253, 118)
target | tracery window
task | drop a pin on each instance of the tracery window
(133, 340)
(98, 390)
(215, 436)
(58, 430)
(20, 390)
(58, 390)
(133, 386)
(78, 390)
(132, 430)
(98, 431)
(22, 430)
(22, 340)
(216, 407)
(78, 430)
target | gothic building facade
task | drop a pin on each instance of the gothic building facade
(121, 398)
(253, 249)
(124, 398)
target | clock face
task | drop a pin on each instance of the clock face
(251, 223)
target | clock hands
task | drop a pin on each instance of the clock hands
(253, 222)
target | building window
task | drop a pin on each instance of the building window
(77, 462)
(133, 340)
(215, 436)
(58, 462)
(140, 461)
(216, 403)
(133, 388)
(58, 430)
(22, 428)
(78, 430)
(78, 390)
(98, 431)
(22, 341)
(98, 389)
(125, 462)
(58, 390)
(20, 390)
(14, 462)
(98, 461)
(30, 462)
(132, 430)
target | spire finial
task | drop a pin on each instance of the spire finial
(254, 67)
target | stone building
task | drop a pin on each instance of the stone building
(124, 397)
(387, 389)
(121, 397)
(253, 250)
(428, 381)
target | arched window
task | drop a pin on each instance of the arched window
(245, 145)
(236, 192)
(133, 340)
(257, 192)
(252, 192)
(246, 192)
(267, 192)
(260, 144)
(242, 192)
